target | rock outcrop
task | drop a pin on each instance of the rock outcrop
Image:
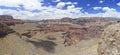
(4, 30)
(5, 22)
(110, 42)
(9, 20)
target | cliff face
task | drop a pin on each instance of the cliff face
(83, 28)
(6, 17)
(4, 30)
(110, 43)
(73, 33)
(9, 20)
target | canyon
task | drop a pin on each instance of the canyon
(66, 36)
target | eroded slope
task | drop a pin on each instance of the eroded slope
(110, 43)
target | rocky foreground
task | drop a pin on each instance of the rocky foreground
(110, 43)
(82, 36)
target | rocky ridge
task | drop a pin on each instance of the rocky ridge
(110, 42)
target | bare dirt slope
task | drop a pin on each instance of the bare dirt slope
(13, 45)
(84, 47)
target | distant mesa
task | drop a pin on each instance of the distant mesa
(9, 20)
(66, 19)
(6, 17)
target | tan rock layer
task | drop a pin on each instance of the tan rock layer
(110, 43)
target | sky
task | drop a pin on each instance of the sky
(56, 9)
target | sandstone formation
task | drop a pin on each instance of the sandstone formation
(110, 43)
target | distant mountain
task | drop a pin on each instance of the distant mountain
(9, 20)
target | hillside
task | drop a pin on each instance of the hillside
(110, 42)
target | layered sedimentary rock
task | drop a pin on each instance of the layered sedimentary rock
(110, 43)
(73, 34)
(9, 20)
(78, 29)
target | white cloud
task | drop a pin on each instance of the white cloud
(32, 4)
(111, 14)
(70, 7)
(101, 1)
(75, 3)
(28, 4)
(97, 8)
(56, 0)
(108, 9)
(60, 5)
(88, 4)
(118, 4)
(51, 12)
(69, 3)
(10, 3)
(54, 13)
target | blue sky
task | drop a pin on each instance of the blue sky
(55, 9)
(85, 6)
